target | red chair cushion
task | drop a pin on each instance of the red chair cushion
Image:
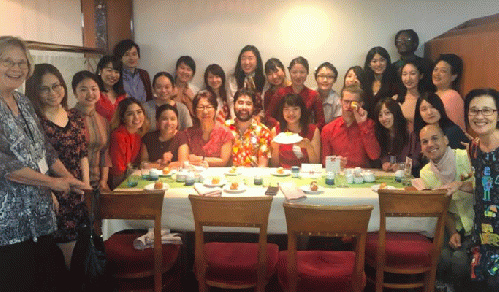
(235, 262)
(403, 250)
(320, 270)
(126, 259)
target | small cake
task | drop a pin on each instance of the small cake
(382, 186)
(313, 186)
(234, 186)
(215, 180)
(355, 105)
(280, 170)
(158, 185)
(166, 170)
(233, 170)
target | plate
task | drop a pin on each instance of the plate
(237, 172)
(287, 138)
(241, 189)
(307, 190)
(285, 173)
(151, 186)
(376, 188)
(172, 172)
(207, 183)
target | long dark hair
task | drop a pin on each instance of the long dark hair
(388, 79)
(436, 102)
(34, 83)
(118, 66)
(359, 72)
(215, 69)
(400, 138)
(421, 88)
(119, 115)
(259, 76)
(293, 99)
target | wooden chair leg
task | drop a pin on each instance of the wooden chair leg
(379, 279)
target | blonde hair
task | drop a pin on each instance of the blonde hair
(11, 41)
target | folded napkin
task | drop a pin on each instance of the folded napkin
(147, 240)
(206, 191)
(291, 191)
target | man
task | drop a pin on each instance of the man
(326, 75)
(451, 170)
(351, 135)
(251, 138)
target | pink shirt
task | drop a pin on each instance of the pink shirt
(454, 107)
(211, 148)
(357, 142)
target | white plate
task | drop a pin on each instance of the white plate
(240, 189)
(306, 190)
(376, 188)
(151, 186)
(286, 138)
(285, 173)
(233, 173)
(207, 183)
(172, 172)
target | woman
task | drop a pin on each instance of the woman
(65, 131)
(381, 80)
(446, 76)
(167, 145)
(214, 81)
(293, 117)
(411, 75)
(298, 70)
(430, 110)
(165, 93)
(86, 91)
(481, 114)
(393, 137)
(276, 78)
(111, 86)
(137, 82)
(185, 68)
(248, 74)
(129, 125)
(326, 75)
(29, 258)
(207, 140)
(354, 76)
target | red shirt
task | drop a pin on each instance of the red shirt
(105, 107)
(287, 157)
(124, 149)
(211, 148)
(311, 99)
(357, 143)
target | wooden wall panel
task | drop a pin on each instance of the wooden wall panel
(119, 18)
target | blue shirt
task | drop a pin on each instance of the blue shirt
(133, 85)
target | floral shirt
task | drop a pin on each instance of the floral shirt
(251, 144)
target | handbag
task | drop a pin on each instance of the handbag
(89, 268)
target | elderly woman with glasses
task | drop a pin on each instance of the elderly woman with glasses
(207, 140)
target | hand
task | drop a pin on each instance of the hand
(387, 166)
(304, 143)
(451, 187)
(455, 240)
(103, 186)
(167, 157)
(56, 203)
(360, 115)
(195, 160)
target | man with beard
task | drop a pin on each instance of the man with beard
(252, 138)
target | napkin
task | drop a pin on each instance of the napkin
(206, 191)
(291, 191)
(147, 240)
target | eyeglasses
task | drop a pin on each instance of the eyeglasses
(9, 63)
(485, 111)
(206, 107)
(330, 77)
(46, 89)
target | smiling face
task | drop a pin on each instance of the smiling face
(378, 64)
(405, 44)
(163, 88)
(51, 91)
(410, 76)
(346, 103)
(12, 78)
(214, 81)
(248, 62)
(442, 76)
(325, 79)
(386, 117)
(205, 110)
(243, 108)
(131, 58)
(168, 122)
(87, 92)
(291, 114)
(351, 78)
(429, 114)
(480, 123)
(109, 75)
(276, 78)
(433, 142)
(298, 74)
(133, 117)
(184, 73)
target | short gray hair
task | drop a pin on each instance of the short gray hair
(11, 41)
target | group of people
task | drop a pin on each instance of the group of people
(385, 113)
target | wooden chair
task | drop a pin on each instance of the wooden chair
(324, 270)
(233, 265)
(132, 265)
(407, 253)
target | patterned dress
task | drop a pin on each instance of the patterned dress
(69, 142)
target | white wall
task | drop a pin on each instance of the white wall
(341, 32)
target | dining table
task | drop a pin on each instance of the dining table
(177, 213)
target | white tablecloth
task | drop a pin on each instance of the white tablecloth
(177, 213)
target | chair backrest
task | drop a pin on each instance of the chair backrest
(131, 205)
(231, 212)
(328, 221)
